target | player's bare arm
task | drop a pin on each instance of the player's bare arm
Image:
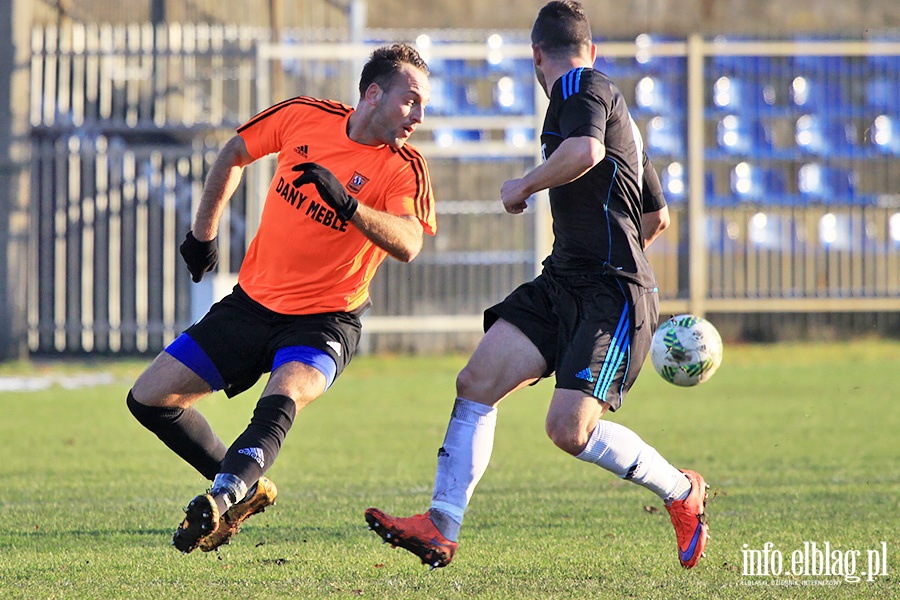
(572, 159)
(221, 182)
(653, 224)
(399, 236)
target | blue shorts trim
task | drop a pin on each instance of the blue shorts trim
(186, 351)
(315, 358)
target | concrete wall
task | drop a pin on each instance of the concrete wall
(622, 19)
(616, 19)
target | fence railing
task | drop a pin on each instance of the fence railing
(779, 160)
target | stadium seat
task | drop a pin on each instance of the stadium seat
(885, 134)
(770, 231)
(835, 231)
(674, 181)
(753, 183)
(820, 135)
(735, 93)
(659, 96)
(665, 136)
(743, 135)
(831, 185)
(446, 137)
(883, 93)
(822, 94)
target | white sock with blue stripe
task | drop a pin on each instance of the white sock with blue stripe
(622, 452)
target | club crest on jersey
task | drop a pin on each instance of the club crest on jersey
(356, 182)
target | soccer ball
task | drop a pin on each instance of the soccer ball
(686, 350)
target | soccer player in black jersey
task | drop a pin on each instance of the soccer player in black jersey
(588, 317)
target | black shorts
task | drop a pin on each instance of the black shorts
(594, 334)
(239, 339)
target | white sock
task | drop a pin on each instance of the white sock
(462, 459)
(622, 452)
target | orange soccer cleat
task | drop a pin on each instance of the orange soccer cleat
(416, 534)
(689, 519)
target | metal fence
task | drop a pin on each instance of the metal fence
(779, 161)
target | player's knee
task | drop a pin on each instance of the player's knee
(566, 436)
(468, 383)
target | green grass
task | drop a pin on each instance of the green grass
(799, 443)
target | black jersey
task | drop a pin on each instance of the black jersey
(597, 217)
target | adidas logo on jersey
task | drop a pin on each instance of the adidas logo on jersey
(302, 150)
(585, 374)
(256, 454)
(336, 346)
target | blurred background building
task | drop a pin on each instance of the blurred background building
(775, 129)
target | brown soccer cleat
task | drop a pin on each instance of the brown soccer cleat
(201, 520)
(262, 497)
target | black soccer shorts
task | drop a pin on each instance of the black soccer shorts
(594, 335)
(239, 339)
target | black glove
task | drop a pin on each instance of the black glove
(199, 256)
(330, 189)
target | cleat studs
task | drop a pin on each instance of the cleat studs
(387, 536)
(703, 555)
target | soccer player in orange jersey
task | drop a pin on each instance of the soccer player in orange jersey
(347, 192)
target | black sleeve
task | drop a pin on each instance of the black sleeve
(652, 196)
(583, 114)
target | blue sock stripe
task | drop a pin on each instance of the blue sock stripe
(315, 358)
(186, 351)
(614, 356)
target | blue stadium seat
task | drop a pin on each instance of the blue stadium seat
(768, 231)
(514, 94)
(819, 93)
(744, 136)
(885, 134)
(836, 231)
(754, 183)
(820, 135)
(674, 182)
(446, 137)
(831, 185)
(519, 136)
(660, 96)
(666, 136)
(744, 93)
(883, 93)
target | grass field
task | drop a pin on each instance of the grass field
(799, 443)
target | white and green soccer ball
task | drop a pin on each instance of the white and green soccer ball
(686, 350)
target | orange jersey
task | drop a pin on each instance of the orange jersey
(304, 259)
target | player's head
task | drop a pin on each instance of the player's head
(393, 90)
(561, 36)
(386, 62)
(562, 29)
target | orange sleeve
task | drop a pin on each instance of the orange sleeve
(412, 193)
(262, 134)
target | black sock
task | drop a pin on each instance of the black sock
(185, 432)
(255, 450)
